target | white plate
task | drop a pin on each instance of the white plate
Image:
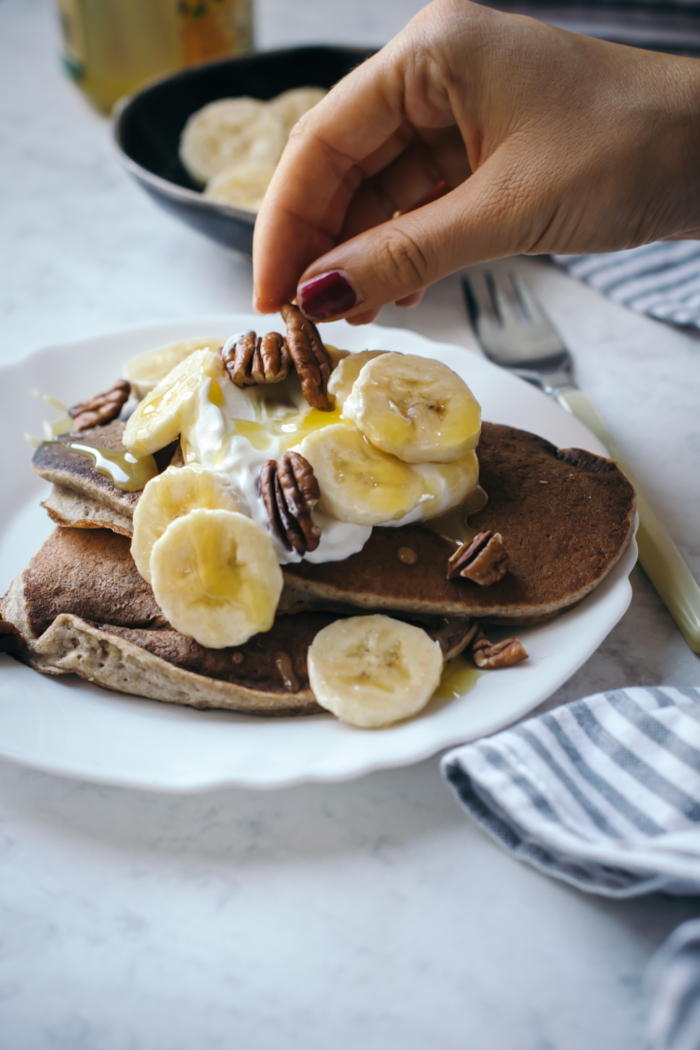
(68, 726)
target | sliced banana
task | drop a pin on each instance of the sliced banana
(358, 482)
(216, 578)
(373, 670)
(346, 372)
(447, 484)
(171, 495)
(242, 185)
(293, 104)
(415, 408)
(159, 418)
(230, 130)
(144, 371)
(336, 355)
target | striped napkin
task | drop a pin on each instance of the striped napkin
(662, 279)
(603, 793)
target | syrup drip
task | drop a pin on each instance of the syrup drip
(125, 471)
(453, 525)
(407, 555)
(283, 663)
(458, 677)
(291, 428)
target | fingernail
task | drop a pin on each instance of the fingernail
(327, 296)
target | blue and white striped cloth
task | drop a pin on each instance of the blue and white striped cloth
(662, 279)
(603, 793)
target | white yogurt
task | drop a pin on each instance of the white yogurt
(216, 441)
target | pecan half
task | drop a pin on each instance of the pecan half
(257, 359)
(503, 654)
(289, 490)
(484, 560)
(102, 408)
(311, 359)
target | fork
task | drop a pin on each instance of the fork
(514, 332)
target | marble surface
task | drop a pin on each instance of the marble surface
(373, 911)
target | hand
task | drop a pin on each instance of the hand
(545, 141)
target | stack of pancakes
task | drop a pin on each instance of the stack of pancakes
(81, 607)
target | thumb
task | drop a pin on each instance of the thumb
(479, 220)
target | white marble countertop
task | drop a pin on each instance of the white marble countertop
(371, 912)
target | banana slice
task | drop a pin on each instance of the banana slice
(415, 408)
(231, 130)
(293, 104)
(373, 670)
(242, 185)
(359, 483)
(146, 370)
(171, 495)
(447, 484)
(158, 419)
(335, 355)
(216, 578)
(346, 372)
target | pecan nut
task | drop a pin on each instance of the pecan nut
(491, 657)
(483, 560)
(102, 408)
(311, 359)
(254, 359)
(289, 490)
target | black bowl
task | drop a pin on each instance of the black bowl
(148, 126)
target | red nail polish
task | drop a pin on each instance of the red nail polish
(327, 296)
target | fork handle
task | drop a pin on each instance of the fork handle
(658, 554)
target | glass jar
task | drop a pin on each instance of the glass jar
(111, 47)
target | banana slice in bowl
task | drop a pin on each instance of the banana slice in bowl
(371, 671)
(415, 408)
(242, 185)
(293, 104)
(359, 483)
(230, 130)
(215, 576)
(170, 495)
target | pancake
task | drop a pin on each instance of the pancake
(566, 518)
(81, 607)
(74, 472)
(66, 507)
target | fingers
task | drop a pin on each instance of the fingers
(331, 150)
(408, 181)
(411, 300)
(487, 217)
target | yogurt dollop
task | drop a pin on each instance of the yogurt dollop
(236, 431)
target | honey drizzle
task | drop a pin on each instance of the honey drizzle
(283, 663)
(458, 677)
(126, 471)
(453, 525)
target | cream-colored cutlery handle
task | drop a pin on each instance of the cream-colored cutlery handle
(658, 553)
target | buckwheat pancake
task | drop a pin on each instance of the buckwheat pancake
(80, 607)
(566, 518)
(81, 496)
